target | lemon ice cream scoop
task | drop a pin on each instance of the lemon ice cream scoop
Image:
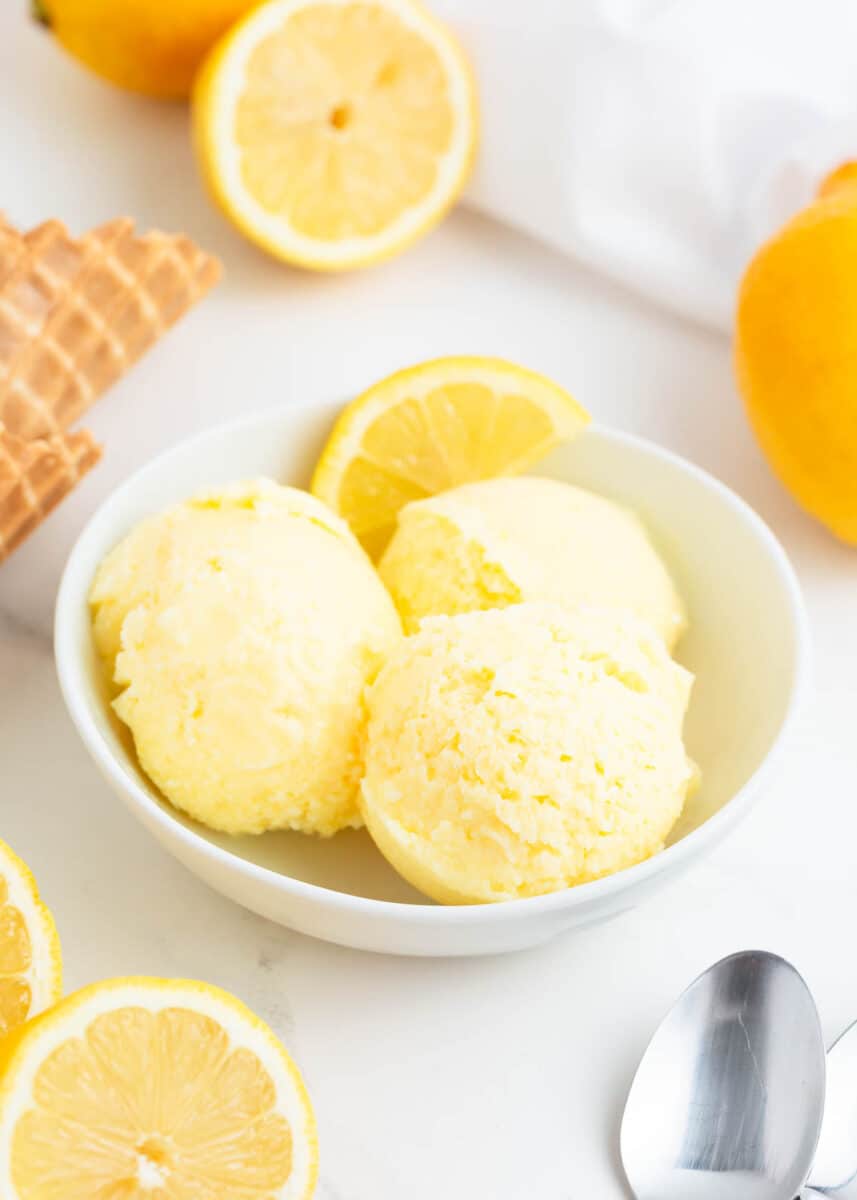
(161, 553)
(241, 628)
(504, 541)
(522, 750)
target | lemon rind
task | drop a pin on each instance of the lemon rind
(568, 416)
(23, 1052)
(217, 89)
(46, 974)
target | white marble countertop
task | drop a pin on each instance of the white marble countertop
(503, 1077)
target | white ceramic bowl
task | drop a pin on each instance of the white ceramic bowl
(747, 646)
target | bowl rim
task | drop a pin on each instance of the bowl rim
(713, 830)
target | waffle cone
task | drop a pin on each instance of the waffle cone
(34, 476)
(75, 314)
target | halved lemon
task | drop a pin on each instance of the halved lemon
(30, 957)
(137, 1088)
(336, 132)
(432, 427)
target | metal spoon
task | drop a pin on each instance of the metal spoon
(835, 1166)
(728, 1100)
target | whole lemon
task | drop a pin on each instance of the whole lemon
(796, 353)
(150, 46)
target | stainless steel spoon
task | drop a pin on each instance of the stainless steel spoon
(835, 1166)
(728, 1100)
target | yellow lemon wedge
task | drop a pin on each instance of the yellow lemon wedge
(432, 427)
(336, 132)
(30, 957)
(152, 1087)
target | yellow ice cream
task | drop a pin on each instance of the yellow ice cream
(503, 541)
(523, 750)
(241, 628)
(158, 555)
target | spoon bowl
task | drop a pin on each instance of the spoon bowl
(728, 1101)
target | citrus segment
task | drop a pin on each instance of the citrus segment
(30, 959)
(16, 1001)
(333, 132)
(143, 1087)
(435, 426)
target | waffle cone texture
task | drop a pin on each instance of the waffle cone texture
(75, 315)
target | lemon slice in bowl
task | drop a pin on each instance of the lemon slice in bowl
(138, 1087)
(432, 427)
(336, 132)
(30, 957)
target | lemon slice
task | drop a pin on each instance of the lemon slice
(335, 132)
(30, 958)
(432, 427)
(150, 1087)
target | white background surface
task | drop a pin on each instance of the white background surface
(500, 1078)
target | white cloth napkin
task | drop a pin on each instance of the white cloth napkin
(659, 141)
